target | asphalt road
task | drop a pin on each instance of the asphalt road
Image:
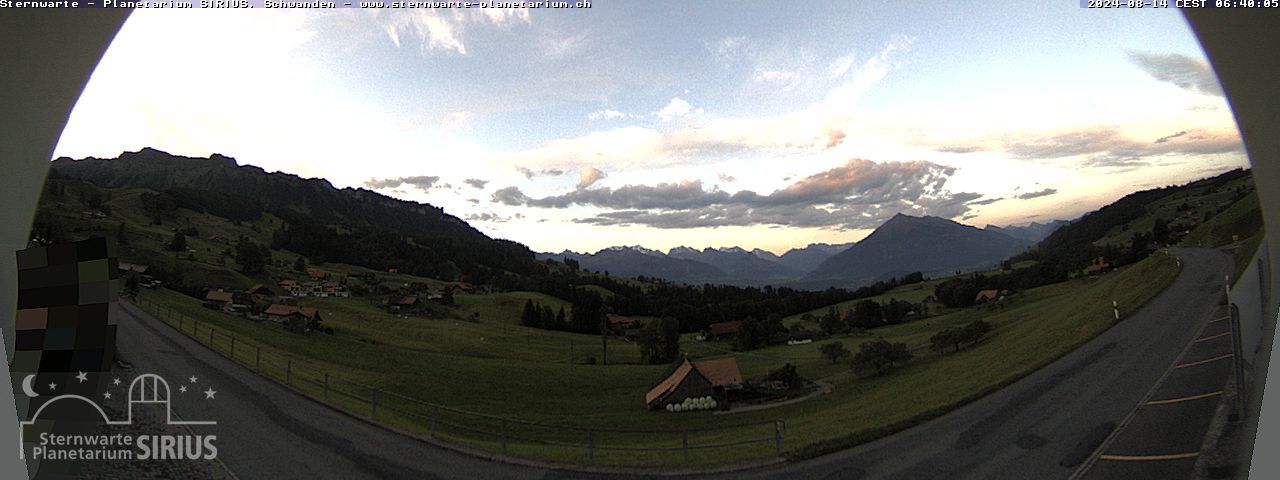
(267, 431)
(1043, 426)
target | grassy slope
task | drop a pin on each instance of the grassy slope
(494, 366)
(525, 371)
(1199, 199)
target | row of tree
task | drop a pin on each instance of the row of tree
(542, 316)
(954, 337)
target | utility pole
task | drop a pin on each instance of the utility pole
(604, 340)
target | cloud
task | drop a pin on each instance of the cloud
(589, 176)
(1170, 137)
(421, 182)
(1037, 194)
(509, 196)
(608, 114)
(476, 182)
(1185, 72)
(546, 172)
(488, 217)
(442, 29)
(988, 201)
(834, 137)
(724, 177)
(704, 139)
(1104, 146)
(857, 194)
(675, 108)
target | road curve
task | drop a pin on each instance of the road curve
(1042, 426)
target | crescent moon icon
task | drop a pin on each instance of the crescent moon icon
(26, 387)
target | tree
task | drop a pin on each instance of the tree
(587, 313)
(867, 314)
(872, 355)
(943, 339)
(121, 237)
(974, 331)
(831, 323)
(751, 335)
(178, 243)
(834, 351)
(530, 317)
(659, 341)
(1160, 232)
(671, 338)
(131, 285)
(299, 265)
(880, 355)
(249, 256)
(561, 322)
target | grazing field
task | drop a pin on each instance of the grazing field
(493, 366)
(1192, 208)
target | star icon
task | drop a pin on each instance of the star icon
(52, 385)
(209, 393)
(106, 396)
(82, 377)
(182, 389)
(116, 381)
(193, 379)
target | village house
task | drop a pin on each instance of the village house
(126, 267)
(720, 330)
(316, 273)
(619, 324)
(217, 299)
(988, 296)
(1097, 266)
(686, 379)
(298, 319)
(407, 304)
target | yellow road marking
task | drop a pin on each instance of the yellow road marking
(1185, 399)
(1202, 362)
(1175, 456)
(1223, 334)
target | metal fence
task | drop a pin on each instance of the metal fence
(508, 436)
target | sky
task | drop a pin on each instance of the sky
(663, 124)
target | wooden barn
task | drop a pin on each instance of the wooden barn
(686, 379)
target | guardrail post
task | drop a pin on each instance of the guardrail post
(326, 387)
(257, 359)
(373, 411)
(211, 346)
(684, 446)
(591, 448)
(777, 436)
(288, 371)
(504, 436)
(233, 348)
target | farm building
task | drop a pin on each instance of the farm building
(126, 267)
(1097, 266)
(686, 379)
(723, 329)
(217, 299)
(987, 296)
(409, 304)
(619, 323)
(298, 319)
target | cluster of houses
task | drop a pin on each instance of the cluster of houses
(320, 285)
(260, 303)
(144, 280)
